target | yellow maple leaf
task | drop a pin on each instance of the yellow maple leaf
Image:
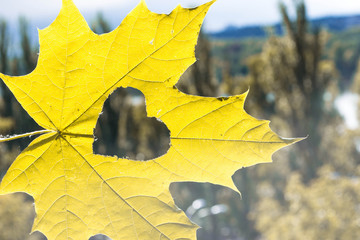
(79, 194)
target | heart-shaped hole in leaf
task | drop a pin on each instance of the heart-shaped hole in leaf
(123, 129)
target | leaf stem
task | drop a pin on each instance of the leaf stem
(14, 137)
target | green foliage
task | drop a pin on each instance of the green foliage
(231, 55)
(344, 49)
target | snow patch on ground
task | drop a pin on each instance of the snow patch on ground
(347, 105)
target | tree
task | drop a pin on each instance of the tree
(290, 80)
(325, 209)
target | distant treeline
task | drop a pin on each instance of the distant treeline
(331, 24)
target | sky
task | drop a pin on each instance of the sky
(223, 13)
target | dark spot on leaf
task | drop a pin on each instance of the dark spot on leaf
(222, 98)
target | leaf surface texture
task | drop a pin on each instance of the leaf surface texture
(79, 194)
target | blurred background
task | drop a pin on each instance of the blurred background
(301, 61)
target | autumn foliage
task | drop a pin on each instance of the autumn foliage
(79, 194)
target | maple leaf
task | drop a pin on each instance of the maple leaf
(79, 194)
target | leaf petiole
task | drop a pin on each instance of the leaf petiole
(14, 137)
